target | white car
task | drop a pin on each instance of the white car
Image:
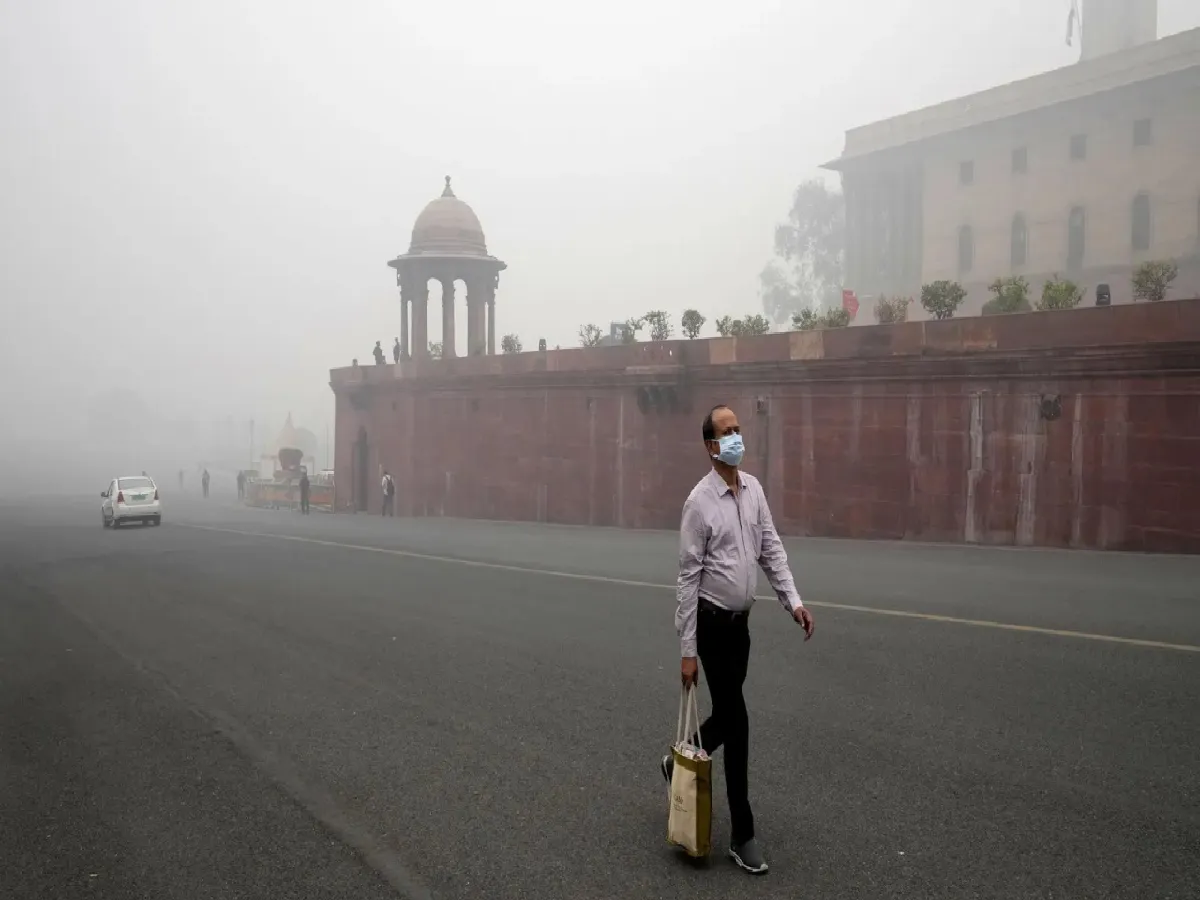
(132, 498)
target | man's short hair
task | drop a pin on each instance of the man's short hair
(709, 432)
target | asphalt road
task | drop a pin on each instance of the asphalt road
(251, 704)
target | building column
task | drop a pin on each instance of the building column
(404, 351)
(850, 272)
(448, 318)
(420, 321)
(491, 325)
(862, 275)
(476, 326)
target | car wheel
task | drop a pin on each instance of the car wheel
(156, 521)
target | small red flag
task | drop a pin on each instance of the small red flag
(850, 303)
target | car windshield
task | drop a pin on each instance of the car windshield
(134, 484)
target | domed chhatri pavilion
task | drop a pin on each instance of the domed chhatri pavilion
(447, 245)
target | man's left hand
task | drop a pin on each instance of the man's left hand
(804, 617)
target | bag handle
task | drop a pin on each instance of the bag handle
(689, 717)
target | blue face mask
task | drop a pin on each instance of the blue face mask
(732, 450)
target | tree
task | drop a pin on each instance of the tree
(691, 321)
(1060, 293)
(435, 349)
(590, 336)
(806, 319)
(1152, 279)
(755, 324)
(727, 326)
(835, 318)
(810, 320)
(1011, 296)
(510, 343)
(660, 325)
(892, 311)
(630, 332)
(942, 299)
(810, 253)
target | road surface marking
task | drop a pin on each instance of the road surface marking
(628, 582)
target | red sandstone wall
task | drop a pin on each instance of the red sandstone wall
(904, 433)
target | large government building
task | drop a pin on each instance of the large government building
(1085, 172)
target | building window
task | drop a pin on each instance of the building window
(1020, 161)
(1076, 237)
(1020, 241)
(1079, 146)
(1140, 222)
(1143, 133)
(966, 249)
(966, 171)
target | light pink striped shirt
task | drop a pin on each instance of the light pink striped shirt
(722, 539)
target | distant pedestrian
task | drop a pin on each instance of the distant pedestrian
(241, 483)
(304, 489)
(396, 351)
(389, 494)
(204, 483)
(378, 353)
(727, 529)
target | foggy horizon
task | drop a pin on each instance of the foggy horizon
(216, 191)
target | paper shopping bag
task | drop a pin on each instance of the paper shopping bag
(689, 823)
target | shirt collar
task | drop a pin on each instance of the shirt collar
(721, 486)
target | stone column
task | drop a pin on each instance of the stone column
(404, 351)
(420, 321)
(491, 325)
(477, 294)
(448, 318)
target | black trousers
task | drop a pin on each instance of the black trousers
(389, 504)
(723, 642)
(304, 504)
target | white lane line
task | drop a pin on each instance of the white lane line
(627, 582)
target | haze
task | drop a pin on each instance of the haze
(200, 199)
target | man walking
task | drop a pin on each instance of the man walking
(304, 491)
(389, 495)
(727, 530)
(204, 483)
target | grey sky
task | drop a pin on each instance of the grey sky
(218, 186)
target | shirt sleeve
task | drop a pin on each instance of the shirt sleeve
(692, 541)
(774, 562)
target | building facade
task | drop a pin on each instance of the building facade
(1082, 172)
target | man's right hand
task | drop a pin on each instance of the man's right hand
(689, 669)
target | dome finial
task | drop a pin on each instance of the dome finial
(448, 192)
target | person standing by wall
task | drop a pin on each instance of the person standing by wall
(727, 531)
(389, 494)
